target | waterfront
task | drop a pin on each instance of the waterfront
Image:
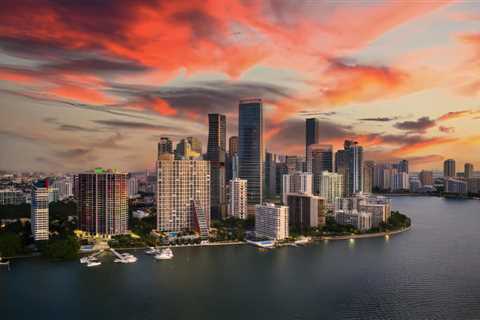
(431, 271)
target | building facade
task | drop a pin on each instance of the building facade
(298, 182)
(271, 221)
(183, 195)
(164, 146)
(426, 178)
(305, 211)
(11, 196)
(449, 168)
(238, 207)
(103, 202)
(251, 149)
(468, 171)
(216, 154)
(330, 186)
(39, 211)
(349, 163)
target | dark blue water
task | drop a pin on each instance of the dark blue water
(430, 272)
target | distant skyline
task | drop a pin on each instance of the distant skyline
(97, 83)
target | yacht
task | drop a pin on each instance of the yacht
(84, 260)
(93, 264)
(165, 254)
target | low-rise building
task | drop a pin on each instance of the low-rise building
(360, 220)
(271, 221)
(378, 206)
(454, 185)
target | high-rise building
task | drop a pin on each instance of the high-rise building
(298, 182)
(11, 196)
(39, 210)
(164, 146)
(103, 202)
(238, 198)
(132, 187)
(426, 178)
(195, 144)
(368, 176)
(231, 162)
(64, 186)
(319, 159)
(233, 145)
(183, 195)
(280, 170)
(312, 133)
(449, 168)
(216, 153)
(349, 163)
(184, 151)
(305, 211)
(403, 166)
(270, 175)
(271, 221)
(251, 150)
(468, 171)
(294, 164)
(330, 187)
(399, 181)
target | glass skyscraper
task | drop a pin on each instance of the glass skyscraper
(216, 152)
(251, 149)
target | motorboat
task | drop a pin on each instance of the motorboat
(93, 264)
(165, 254)
(84, 260)
(152, 250)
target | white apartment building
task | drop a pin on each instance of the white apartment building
(238, 206)
(330, 187)
(64, 187)
(361, 220)
(39, 210)
(183, 194)
(132, 185)
(271, 221)
(378, 206)
(297, 182)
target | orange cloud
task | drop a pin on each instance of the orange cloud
(83, 94)
(458, 114)
(163, 108)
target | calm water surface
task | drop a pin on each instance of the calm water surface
(430, 272)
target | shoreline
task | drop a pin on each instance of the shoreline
(234, 243)
(364, 235)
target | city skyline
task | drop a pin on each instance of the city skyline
(76, 93)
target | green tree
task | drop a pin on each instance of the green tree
(64, 249)
(10, 244)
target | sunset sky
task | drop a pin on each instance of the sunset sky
(96, 83)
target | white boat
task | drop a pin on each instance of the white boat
(303, 240)
(93, 264)
(126, 258)
(152, 250)
(165, 254)
(84, 260)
